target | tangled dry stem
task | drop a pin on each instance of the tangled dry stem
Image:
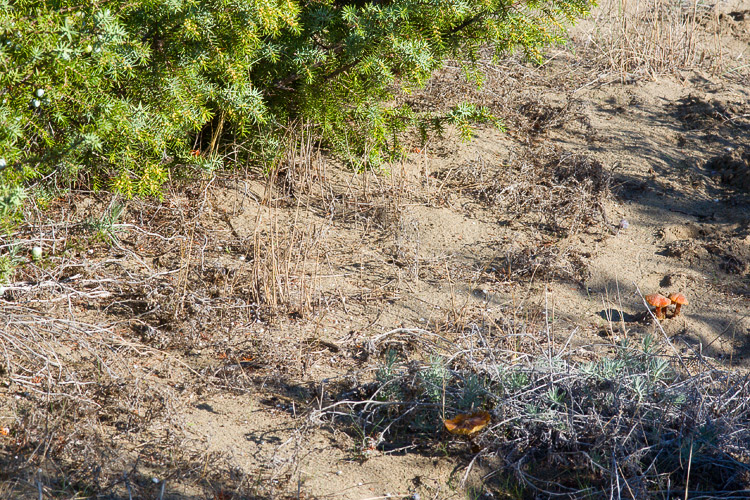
(630, 425)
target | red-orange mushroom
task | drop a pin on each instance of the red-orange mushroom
(659, 302)
(467, 424)
(678, 300)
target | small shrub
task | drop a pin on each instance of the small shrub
(118, 94)
(106, 226)
(635, 412)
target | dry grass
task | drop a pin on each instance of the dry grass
(623, 41)
(126, 317)
(94, 379)
(73, 381)
(186, 277)
(637, 39)
(634, 424)
(136, 308)
(558, 192)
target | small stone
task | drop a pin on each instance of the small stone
(624, 224)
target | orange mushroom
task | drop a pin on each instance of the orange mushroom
(467, 424)
(678, 300)
(659, 302)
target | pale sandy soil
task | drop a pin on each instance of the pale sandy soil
(601, 191)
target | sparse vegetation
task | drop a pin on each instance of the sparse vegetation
(106, 227)
(305, 331)
(627, 423)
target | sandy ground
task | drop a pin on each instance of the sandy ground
(601, 191)
(671, 224)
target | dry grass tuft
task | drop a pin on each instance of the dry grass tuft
(557, 192)
(542, 262)
(639, 39)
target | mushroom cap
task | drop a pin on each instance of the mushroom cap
(467, 424)
(657, 300)
(678, 298)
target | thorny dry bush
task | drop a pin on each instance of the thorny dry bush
(638, 423)
(558, 193)
(95, 412)
(72, 383)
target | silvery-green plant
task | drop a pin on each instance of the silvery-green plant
(434, 378)
(106, 227)
(8, 263)
(639, 384)
(472, 394)
(388, 377)
(11, 201)
(513, 379)
(556, 397)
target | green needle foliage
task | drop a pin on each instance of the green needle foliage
(121, 92)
